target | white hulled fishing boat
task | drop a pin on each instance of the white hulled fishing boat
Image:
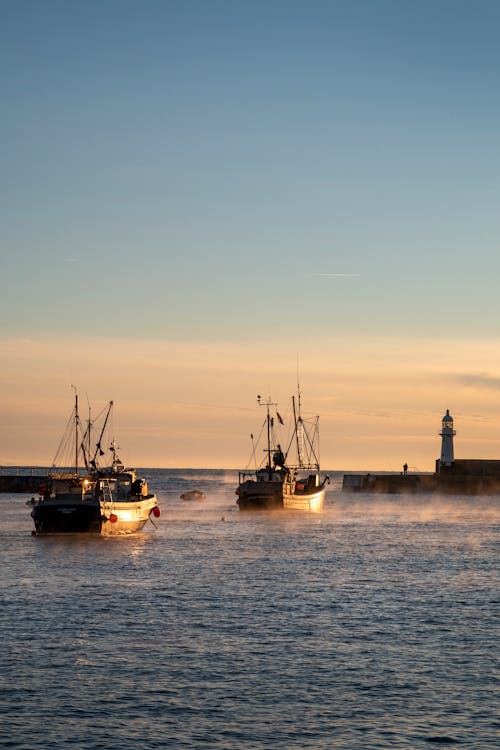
(92, 497)
(303, 487)
(294, 484)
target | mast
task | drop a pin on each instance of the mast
(299, 395)
(76, 433)
(86, 455)
(268, 421)
(77, 442)
(98, 447)
(85, 439)
(299, 426)
(299, 432)
(296, 433)
(268, 437)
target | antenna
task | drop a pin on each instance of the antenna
(298, 387)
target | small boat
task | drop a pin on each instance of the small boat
(282, 484)
(90, 498)
(193, 495)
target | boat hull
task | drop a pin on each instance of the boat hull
(254, 495)
(67, 517)
(304, 493)
(310, 502)
(59, 516)
(127, 517)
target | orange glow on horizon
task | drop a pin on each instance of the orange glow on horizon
(191, 404)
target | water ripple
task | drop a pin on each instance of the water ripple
(372, 626)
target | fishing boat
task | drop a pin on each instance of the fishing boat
(303, 486)
(97, 495)
(289, 480)
(262, 488)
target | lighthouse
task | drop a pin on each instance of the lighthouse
(447, 432)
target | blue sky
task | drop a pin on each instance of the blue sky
(201, 158)
(277, 174)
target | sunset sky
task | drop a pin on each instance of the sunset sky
(198, 196)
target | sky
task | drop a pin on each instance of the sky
(201, 199)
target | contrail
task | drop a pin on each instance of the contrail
(333, 274)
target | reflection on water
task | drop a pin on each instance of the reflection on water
(372, 625)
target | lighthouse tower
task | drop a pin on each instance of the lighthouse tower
(447, 432)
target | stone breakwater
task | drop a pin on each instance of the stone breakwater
(20, 482)
(416, 483)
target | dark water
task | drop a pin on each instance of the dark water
(373, 625)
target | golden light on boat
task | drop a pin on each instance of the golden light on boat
(125, 515)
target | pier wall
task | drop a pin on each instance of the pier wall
(414, 483)
(28, 483)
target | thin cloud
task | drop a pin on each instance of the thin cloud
(220, 407)
(479, 380)
(341, 275)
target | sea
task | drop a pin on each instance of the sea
(374, 624)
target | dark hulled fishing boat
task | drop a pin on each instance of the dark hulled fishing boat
(262, 488)
(89, 497)
(67, 505)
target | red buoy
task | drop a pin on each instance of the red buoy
(113, 518)
(156, 512)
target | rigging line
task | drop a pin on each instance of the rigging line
(259, 437)
(64, 438)
(65, 454)
(98, 444)
(253, 450)
(312, 452)
(288, 441)
(291, 431)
